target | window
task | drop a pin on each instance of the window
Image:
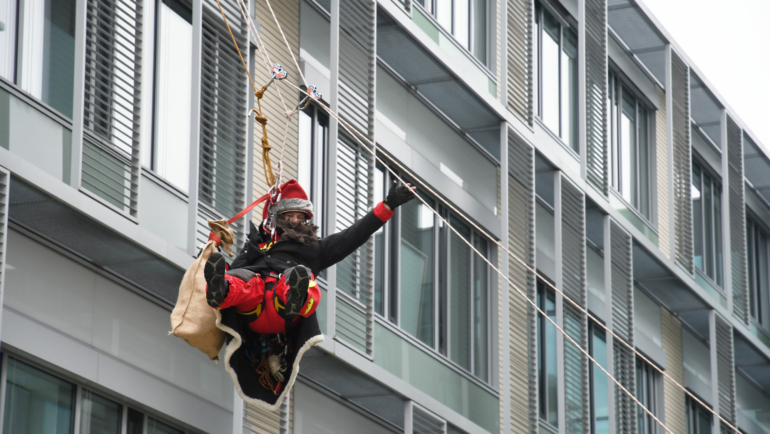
(311, 164)
(39, 402)
(420, 265)
(600, 408)
(546, 355)
(646, 392)
(707, 223)
(759, 279)
(630, 150)
(37, 50)
(170, 153)
(698, 418)
(557, 77)
(466, 20)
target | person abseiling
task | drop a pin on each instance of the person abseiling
(269, 294)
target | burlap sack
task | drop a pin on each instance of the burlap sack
(192, 318)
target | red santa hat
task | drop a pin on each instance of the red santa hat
(293, 198)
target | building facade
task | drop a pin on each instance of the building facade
(568, 144)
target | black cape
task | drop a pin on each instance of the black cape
(282, 255)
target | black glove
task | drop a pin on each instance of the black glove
(398, 195)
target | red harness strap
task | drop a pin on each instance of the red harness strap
(216, 239)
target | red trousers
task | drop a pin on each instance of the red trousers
(263, 301)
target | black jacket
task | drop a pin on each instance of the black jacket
(318, 257)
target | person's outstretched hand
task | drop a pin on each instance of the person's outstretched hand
(399, 195)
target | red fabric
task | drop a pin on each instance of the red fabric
(382, 213)
(246, 296)
(290, 190)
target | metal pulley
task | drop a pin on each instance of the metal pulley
(312, 94)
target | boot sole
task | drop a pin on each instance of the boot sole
(214, 272)
(298, 280)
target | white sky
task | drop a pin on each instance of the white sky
(729, 41)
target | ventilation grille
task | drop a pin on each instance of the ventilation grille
(661, 151)
(423, 422)
(519, 47)
(597, 157)
(355, 277)
(623, 325)
(725, 372)
(680, 90)
(257, 420)
(575, 322)
(737, 220)
(112, 102)
(674, 402)
(222, 172)
(521, 323)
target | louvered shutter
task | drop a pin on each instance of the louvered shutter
(420, 421)
(738, 261)
(674, 397)
(575, 322)
(597, 151)
(355, 170)
(521, 315)
(5, 182)
(519, 45)
(623, 326)
(113, 65)
(222, 172)
(680, 90)
(661, 170)
(725, 371)
(257, 420)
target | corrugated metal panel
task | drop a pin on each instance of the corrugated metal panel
(522, 316)
(519, 46)
(355, 292)
(682, 179)
(673, 402)
(222, 173)
(597, 152)
(257, 420)
(623, 326)
(725, 370)
(287, 12)
(355, 169)
(661, 151)
(112, 103)
(575, 322)
(737, 220)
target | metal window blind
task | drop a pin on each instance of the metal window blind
(222, 172)
(522, 316)
(257, 420)
(674, 397)
(737, 208)
(725, 370)
(113, 81)
(355, 274)
(355, 169)
(623, 326)
(680, 90)
(661, 169)
(575, 322)
(597, 151)
(422, 422)
(520, 65)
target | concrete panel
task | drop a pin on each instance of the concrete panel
(163, 213)
(36, 138)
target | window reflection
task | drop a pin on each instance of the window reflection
(417, 259)
(707, 223)
(99, 415)
(547, 362)
(459, 294)
(600, 410)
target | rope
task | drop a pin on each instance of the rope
(372, 149)
(243, 62)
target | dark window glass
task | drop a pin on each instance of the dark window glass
(459, 295)
(600, 409)
(698, 418)
(480, 310)
(135, 422)
(645, 393)
(158, 427)
(417, 259)
(547, 367)
(707, 224)
(99, 415)
(759, 274)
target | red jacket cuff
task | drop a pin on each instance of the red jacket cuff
(382, 213)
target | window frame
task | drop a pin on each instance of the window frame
(540, 10)
(618, 87)
(319, 160)
(651, 400)
(544, 293)
(593, 328)
(692, 411)
(759, 297)
(717, 225)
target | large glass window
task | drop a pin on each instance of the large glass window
(600, 409)
(466, 20)
(37, 402)
(99, 415)
(311, 158)
(170, 153)
(698, 418)
(759, 276)
(37, 49)
(707, 223)
(646, 392)
(557, 76)
(546, 352)
(630, 150)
